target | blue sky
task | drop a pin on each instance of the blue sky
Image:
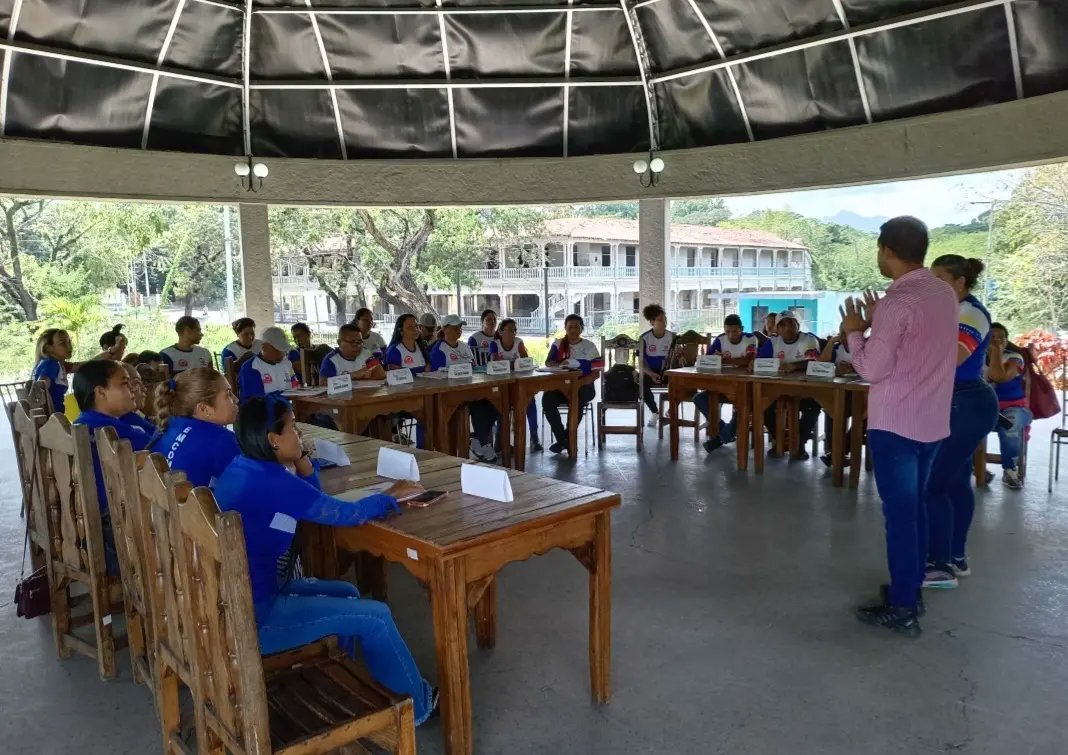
(937, 201)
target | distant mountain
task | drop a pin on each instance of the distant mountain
(860, 222)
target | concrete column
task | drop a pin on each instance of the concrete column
(256, 264)
(654, 248)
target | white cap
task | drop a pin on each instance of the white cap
(452, 320)
(788, 315)
(276, 337)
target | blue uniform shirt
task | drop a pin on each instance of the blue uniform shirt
(135, 419)
(57, 376)
(271, 500)
(138, 438)
(201, 449)
(973, 333)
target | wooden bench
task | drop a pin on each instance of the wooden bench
(25, 428)
(310, 700)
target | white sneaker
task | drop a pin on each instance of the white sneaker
(653, 422)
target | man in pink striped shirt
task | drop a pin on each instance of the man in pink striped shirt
(910, 360)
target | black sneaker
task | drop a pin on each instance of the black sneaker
(773, 454)
(435, 704)
(536, 445)
(826, 459)
(558, 447)
(884, 595)
(801, 455)
(712, 444)
(900, 620)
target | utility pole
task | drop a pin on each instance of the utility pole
(227, 246)
(148, 285)
(545, 295)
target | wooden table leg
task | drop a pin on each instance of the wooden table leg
(601, 610)
(461, 432)
(741, 411)
(448, 603)
(674, 394)
(792, 409)
(573, 415)
(504, 410)
(856, 437)
(519, 428)
(486, 616)
(758, 427)
(838, 437)
(371, 576)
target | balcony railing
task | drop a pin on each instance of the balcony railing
(800, 275)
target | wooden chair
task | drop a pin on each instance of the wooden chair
(309, 368)
(25, 429)
(630, 349)
(158, 490)
(310, 700)
(40, 399)
(9, 392)
(152, 380)
(684, 354)
(119, 465)
(77, 547)
(233, 369)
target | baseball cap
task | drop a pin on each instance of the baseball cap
(276, 337)
(451, 320)
(788, 315)
(429, 320)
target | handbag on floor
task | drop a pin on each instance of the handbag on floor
(31, 593)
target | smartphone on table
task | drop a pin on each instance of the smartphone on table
(426, 498)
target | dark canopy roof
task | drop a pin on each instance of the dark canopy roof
(478, 78)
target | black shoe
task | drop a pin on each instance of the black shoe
(712, 444)
(801, 455)
(826, 459)
(536, 446)
(989, 477)
(884, 595)
(558, 447)
(900, 620)
(773, 454)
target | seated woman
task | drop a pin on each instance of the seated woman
(193, 411)
(656, 345)
(102, 390)
(246, 342)
(1005, 369)
(293, 612)
(350, 357)
(404, 349)
(837, 351)
(269, 371)
(52, 363)
(737, 349)
(137, 388)
(449, 351)
(575, 352)
(364, 319)
(479, 343)
(508, 347)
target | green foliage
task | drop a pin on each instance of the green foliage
(628, 210)
(706, 211)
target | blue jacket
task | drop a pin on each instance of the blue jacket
(271, 500)
(200, 449)
(138, 438)
(51, 368)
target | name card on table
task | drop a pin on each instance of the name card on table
(709, 362)
(460, 371)
(498, 368)
(397, 465)
(339, 384)
(403, 376)
(821, 370)
(766, 366)
(486, 482)
(330, 454)
(524, 364)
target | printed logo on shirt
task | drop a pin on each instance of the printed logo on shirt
(651, 348)
(453, 356)
(408, 359)
(782, 355)
(267, 379)
(183, 363)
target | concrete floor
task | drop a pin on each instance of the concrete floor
(733, 629)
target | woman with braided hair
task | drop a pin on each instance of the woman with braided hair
(193, 411)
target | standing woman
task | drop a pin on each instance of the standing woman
(508, 347)
(575, 352)
(949, 497)
(480, 342)
(365, 320)
(291, 612)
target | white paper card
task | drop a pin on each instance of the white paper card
(710, 361)
(460, 371)
(397, 465)
(766, 366)
(339, 384)
(524, 364)
(822, 370)
(486, 482)
(330, 452)
(403, 376)
(498, 368)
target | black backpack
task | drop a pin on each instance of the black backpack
(620, 385)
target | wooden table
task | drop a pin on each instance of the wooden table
(457, 546)
(733, 384)
(356, 411)
(451, 425)
(830, 394)
(858, 390)
(529, 384)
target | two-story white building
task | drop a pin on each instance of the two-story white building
(590, 266)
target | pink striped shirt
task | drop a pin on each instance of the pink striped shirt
(910, 357)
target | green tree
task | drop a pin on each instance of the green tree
(190, 249)
(628, 210)
(704, 211)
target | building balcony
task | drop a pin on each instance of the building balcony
(756, 278)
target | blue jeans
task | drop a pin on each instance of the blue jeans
(728, 431)
(532, 419)
(310, 609)
(950, 498)
(1011, 439)
(902, 467)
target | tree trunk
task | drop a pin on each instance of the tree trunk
(189, 303)
(23, 298)
(341, 310)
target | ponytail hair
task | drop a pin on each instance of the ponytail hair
(180, 396)
(43, 342)
(959, 267)
(112, 337)
(89, 377)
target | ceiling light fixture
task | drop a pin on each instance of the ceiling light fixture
(649, 170)
(251, 174)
